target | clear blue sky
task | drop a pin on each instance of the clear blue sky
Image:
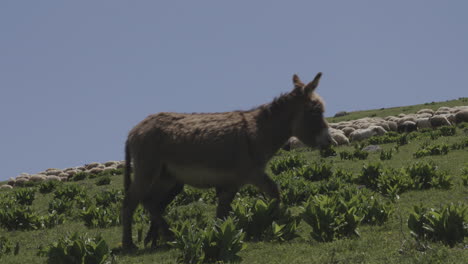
(76, 76)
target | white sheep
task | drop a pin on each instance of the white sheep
(392, 125)
(92, 165)
(362, 134)
(422, 123)
(461, 116)
(6, 186)
(439, 120)
(339, 137)
(37, 178)
(53, 178)
(348, 130)
(426, 111)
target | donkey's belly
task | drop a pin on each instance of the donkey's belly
(203, 177)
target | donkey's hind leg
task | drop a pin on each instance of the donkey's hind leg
(152, 235)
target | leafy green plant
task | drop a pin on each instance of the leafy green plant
(256, 219)
(314, 171)
(390, 137)
(195, 213)
(25, 196)
(19, 218)
(402, 140)
(330, 218)
(464, 176)
(360, 155)
(52, 219)
(327, 152)
(294, 190)
(448, 131)
(70, 192)
(448, 224)
(386, 155)
(190, 194)
(48, 186)
(61, 206)
(392, 182)
(77, 249)
(346, 155)
(108, 197)
(79, 176)
(426, 175)
(441, 149)
(101, 216)
(370, 174)
(6, 246)
(220, 242)
(287, 162)
(105, 180)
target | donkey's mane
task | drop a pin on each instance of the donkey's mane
(268, 109)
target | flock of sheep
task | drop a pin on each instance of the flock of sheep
(342, 132)
(62, 175)
(360, 129)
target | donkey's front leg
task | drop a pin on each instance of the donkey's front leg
(266, 185)
(225, 197)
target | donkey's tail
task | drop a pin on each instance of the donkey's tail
(128, 168)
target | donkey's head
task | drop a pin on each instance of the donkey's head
(309, 124)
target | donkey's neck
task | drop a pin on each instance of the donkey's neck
(274, 126)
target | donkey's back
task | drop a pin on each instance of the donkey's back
(202, 150)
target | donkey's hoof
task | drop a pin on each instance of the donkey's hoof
(129, 246)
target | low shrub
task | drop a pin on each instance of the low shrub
(105, 180)
(287, 162)
(464, 176)
(330, 218)
(264, 220)
(196, 213)
(447, 131)
(80, 176)
(441, 149)
(356, 154)
(77, 249)
(6, 246)
(61, 206)
(70, 192)
(386, 155)
(217, 243)
(108, 197)
(191, 194)
(426, 175)
(48, 186)
(19, 218)
(447, 224)
(314, 172)
(327, 152)
(25, 196)
(294, 190)
(101, 217)
(390, 137)
(370, 174)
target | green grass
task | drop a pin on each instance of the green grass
(388, 243)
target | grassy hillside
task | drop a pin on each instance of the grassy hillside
(93, 205)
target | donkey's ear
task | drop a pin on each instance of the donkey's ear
(310, 87)
(297, 82)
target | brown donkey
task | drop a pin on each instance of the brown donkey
(220, 150)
